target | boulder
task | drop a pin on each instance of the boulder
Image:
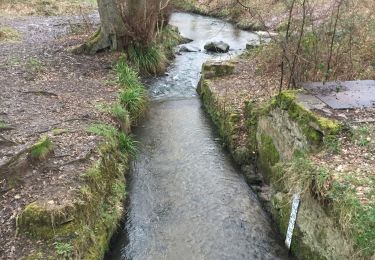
(251, 46)
(220, 46)
(189, 48)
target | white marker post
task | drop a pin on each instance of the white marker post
(292, 220)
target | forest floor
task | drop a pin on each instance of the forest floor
(45, 91)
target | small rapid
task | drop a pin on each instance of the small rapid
(186, 198)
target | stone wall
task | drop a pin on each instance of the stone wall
(280, 130)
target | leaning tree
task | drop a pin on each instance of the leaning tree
(125, 22)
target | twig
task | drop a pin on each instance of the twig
(298, 45)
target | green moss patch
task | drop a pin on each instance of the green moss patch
(268, 155)
(224, 118)
(313, 126)
(213, 69)
(9, 34)
(88, 223)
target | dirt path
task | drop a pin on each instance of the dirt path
(45, 90)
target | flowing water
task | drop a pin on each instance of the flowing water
(186, 199)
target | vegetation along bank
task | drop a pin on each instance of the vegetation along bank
(66, 141)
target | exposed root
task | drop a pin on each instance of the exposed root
(97, 42)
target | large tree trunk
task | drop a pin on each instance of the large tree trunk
(112, 32)
(142, 17)
(123, 23)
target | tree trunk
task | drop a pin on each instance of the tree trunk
(112, 32)
(142, 17)
(125, 22)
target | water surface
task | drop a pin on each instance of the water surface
(186, 199)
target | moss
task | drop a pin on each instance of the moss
(313, 126)
(41, 149)
(281, 208)
(89, 223)
(253, 110)
(45, 221)
(268, 155)
(213, 69)
(9, 34)
(220, 117)
(59, 131)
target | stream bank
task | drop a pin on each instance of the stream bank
(64, 140)
(299, 146)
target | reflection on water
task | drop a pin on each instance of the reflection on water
(187, 201)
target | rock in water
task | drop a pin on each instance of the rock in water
(217, 47)
(189, 48)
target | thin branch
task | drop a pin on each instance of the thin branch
(298, 45)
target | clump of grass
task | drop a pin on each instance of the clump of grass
(41, 149)
(304, 176)
(355, 219)
(148, 60)
(122, 116)
(9, 34)
(168, 39)
(127, 77)
(360, 136)
(104, 130)
(332, 143)
(133, 97)
(125, 143)
(134, 101)
(63, 249)
(34, 64)
(3, 125)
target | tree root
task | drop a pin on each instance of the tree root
(97, 42)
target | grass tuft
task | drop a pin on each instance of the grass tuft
(127, 144)
(122, 117)
(134, 100)
(148, 60)
(41, 149)
(3, 125)
(104, 130)
(127, 77)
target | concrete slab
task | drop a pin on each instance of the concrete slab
(345, 94)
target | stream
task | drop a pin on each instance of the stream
(186, 198)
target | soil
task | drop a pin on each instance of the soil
(46, 90)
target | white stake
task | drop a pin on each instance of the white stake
(292, 220)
